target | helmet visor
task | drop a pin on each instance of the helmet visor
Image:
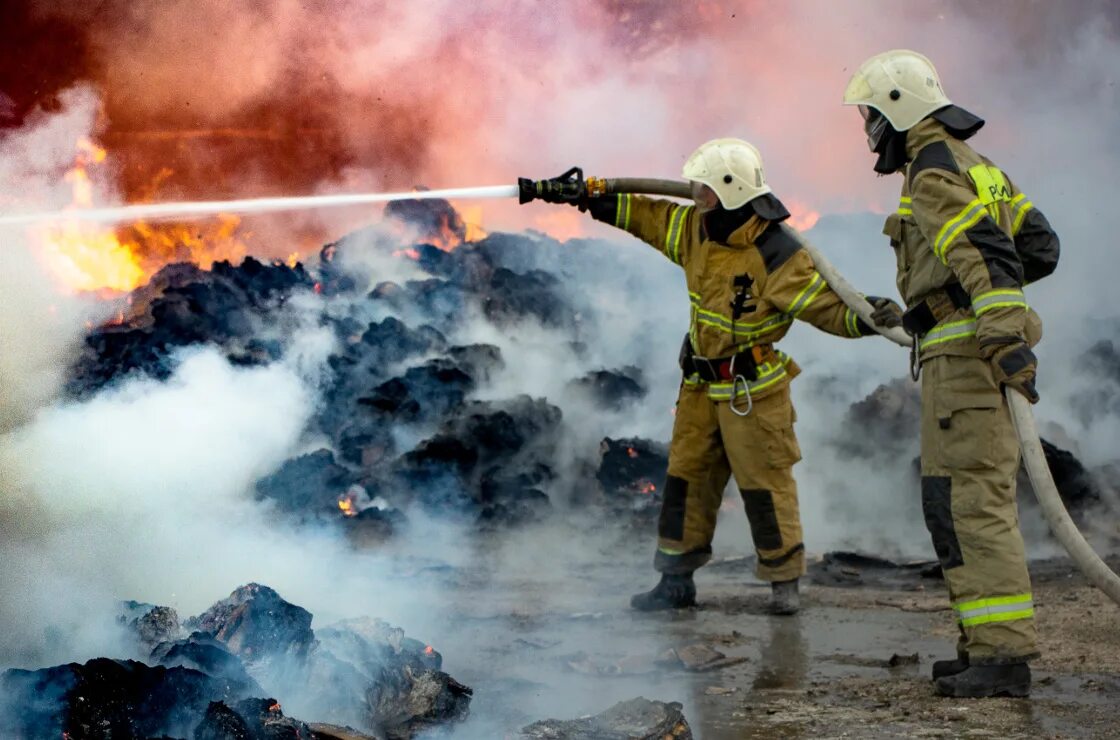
(875, 125)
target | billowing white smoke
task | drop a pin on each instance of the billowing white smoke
(144, 491)
(40, 324)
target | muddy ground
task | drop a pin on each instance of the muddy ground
(566, 645)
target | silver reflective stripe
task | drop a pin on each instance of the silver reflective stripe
(673, 236)
(807, 295)
(1003, 298)
(998, 609)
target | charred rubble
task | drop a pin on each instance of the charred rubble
(396, 408)
(215, 677)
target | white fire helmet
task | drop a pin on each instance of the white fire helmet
(732, 168)
(900, 84)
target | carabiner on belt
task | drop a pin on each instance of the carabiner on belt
(915, 360)
(736, 379)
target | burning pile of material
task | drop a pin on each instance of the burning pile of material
(213, 678)
(394, 368)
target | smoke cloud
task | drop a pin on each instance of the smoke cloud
(144, 491)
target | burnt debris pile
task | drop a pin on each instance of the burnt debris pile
(398, 409)
(232, 672)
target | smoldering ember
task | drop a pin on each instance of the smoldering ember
(413, 435)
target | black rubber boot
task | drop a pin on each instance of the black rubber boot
(675, 591)
(980, 681)
(784, 598)
(944, 668)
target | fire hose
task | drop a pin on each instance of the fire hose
(1046, 491)
(1061, 525)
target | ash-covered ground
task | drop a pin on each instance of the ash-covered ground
(470, 444)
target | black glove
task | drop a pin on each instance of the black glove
(568, 188)
(887, 313)
(1014, 365)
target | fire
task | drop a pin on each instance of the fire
(82, 256)
(631, 452)
(411, 253)
(346, 505)
(429, 650)
(88, 257)
(801, 217)
(275, 707)
(646, 487)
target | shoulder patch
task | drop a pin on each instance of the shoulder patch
(776, 247)
(935, 156)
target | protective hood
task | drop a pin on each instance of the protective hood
(721, 223)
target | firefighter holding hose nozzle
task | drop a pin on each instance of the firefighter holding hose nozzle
(966, 241)
(748, 278)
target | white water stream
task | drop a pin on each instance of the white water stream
(182, 209)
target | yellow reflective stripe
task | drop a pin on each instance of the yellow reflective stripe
(948, 333)
(1020, 207)
(998, 299)
(768, 375)
(1004, 617)
(673, 234)
(997, 609)
(807, 295)
(851, 319)
(905, 206)
(694, 297)
(622, 212)
(954, 227)
(668, 551)
(742, 331)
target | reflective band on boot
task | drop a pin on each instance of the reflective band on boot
(998, 609)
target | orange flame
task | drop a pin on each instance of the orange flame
(631, 452)
(88, 257)
(801, 216)
(646, 487)
(346, 505)
(275, 707)
(429, 650)
(411, 253)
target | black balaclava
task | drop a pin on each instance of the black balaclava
(886, 141)
(720, 223)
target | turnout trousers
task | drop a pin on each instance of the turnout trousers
(970, 458)
(710, 444)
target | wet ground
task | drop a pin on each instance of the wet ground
(854, 663)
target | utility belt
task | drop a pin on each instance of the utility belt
(935, 308)
(742, 364)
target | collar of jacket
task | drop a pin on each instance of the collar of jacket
(924, 133)
(745, 235)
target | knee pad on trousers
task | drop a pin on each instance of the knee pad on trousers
(763, 518)
(937, 508)
(670, 525)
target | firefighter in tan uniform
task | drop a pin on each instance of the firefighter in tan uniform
(748, 279)
(967, 241)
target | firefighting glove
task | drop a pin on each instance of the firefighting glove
(568, 188)
(887, 313)
(1014, 365)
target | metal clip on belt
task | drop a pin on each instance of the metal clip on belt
(736, 379)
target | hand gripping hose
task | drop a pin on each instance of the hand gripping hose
(1062, 526)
